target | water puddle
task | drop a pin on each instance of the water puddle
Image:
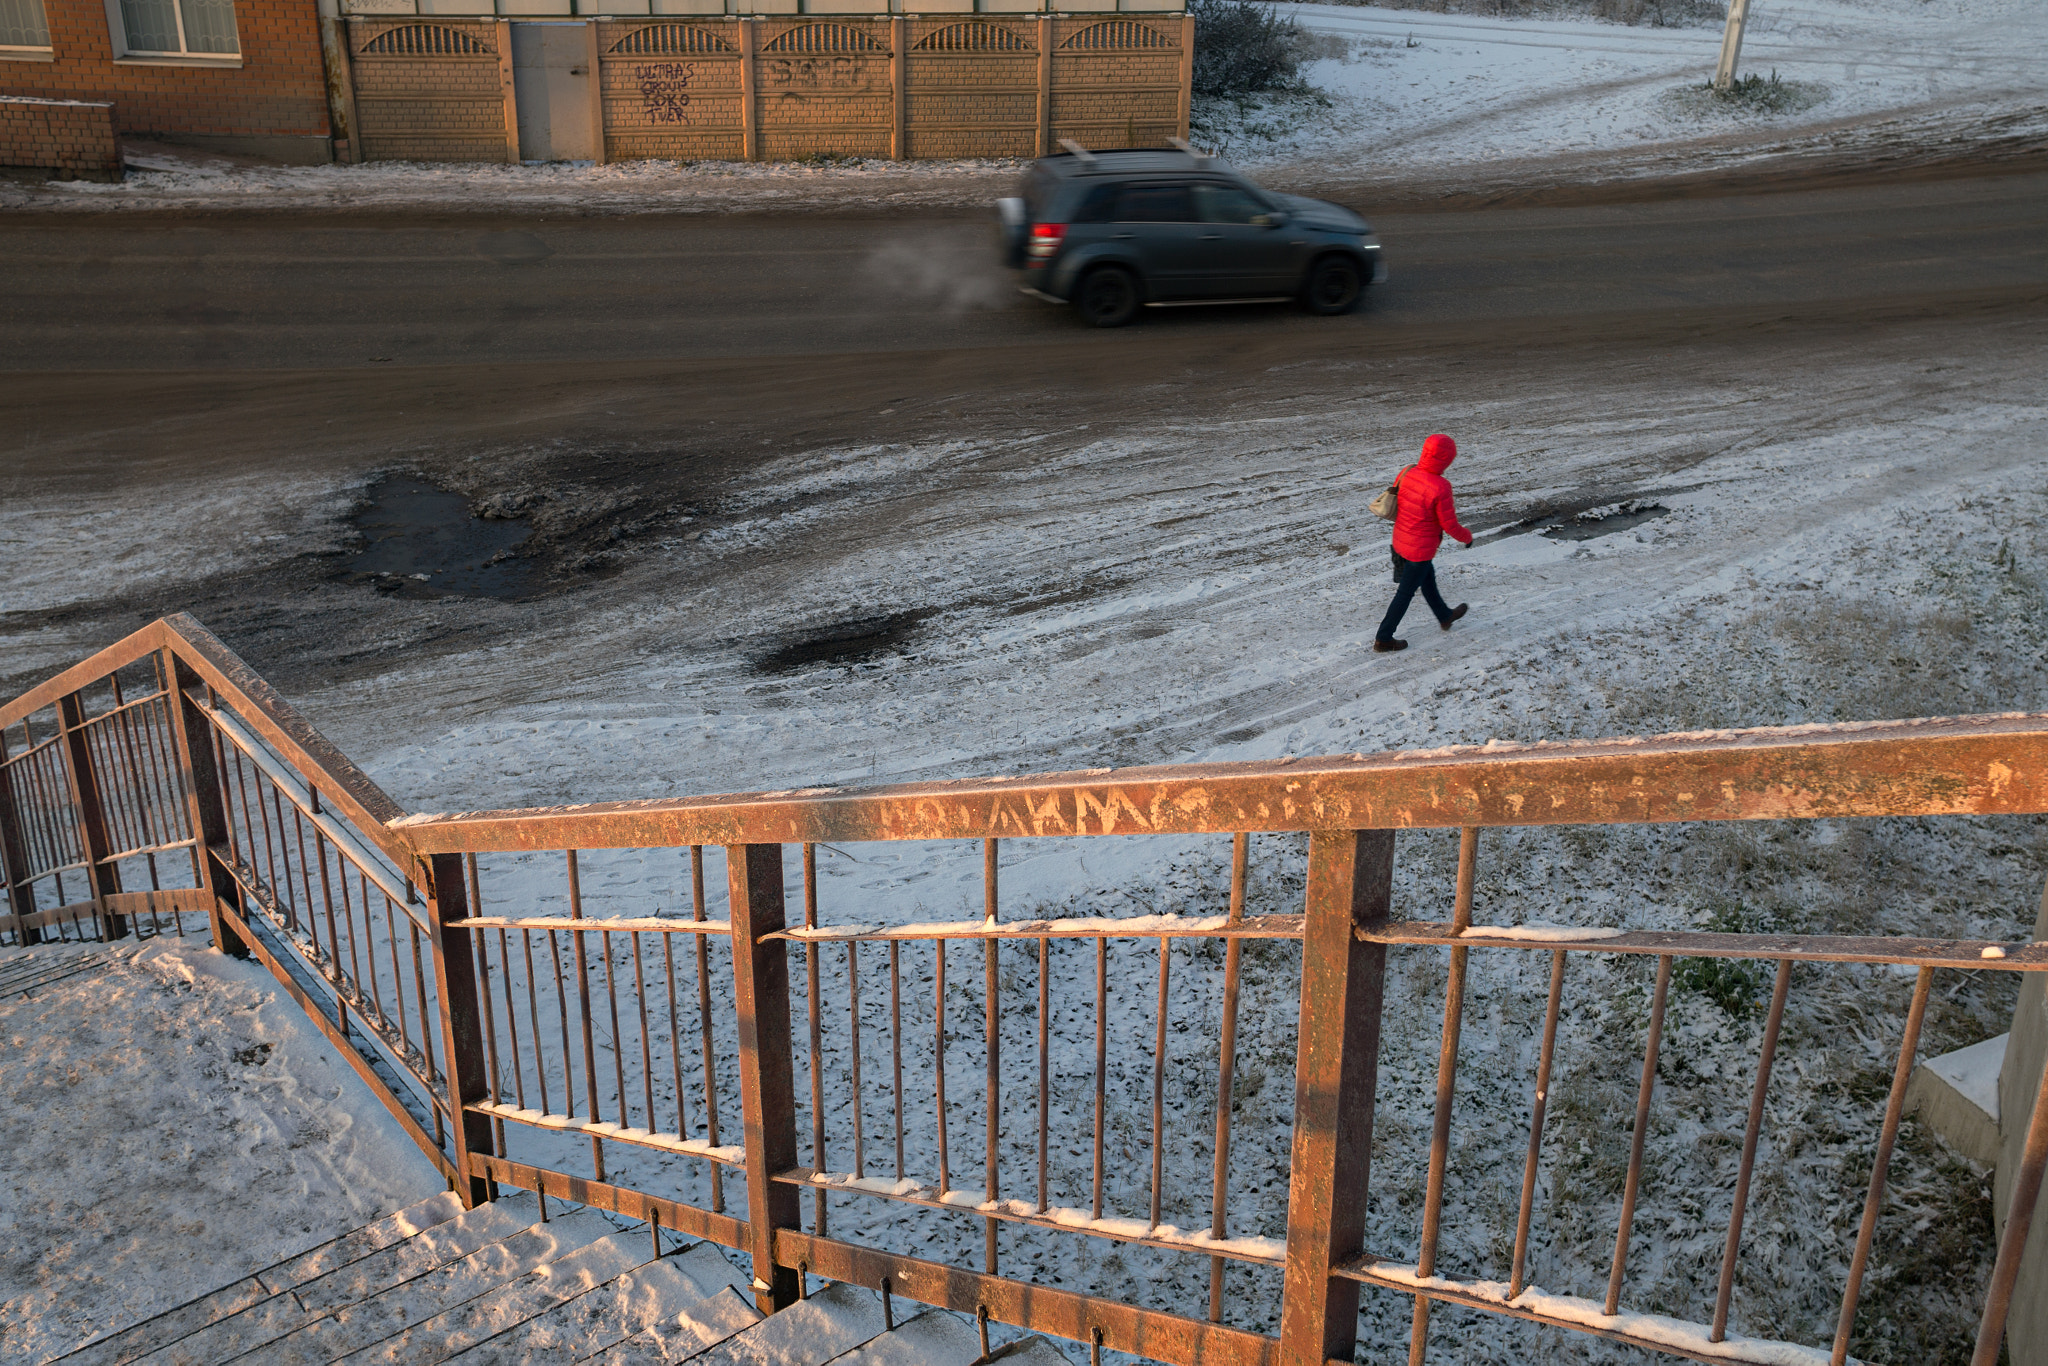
(847, 642)
(418, 538)
(1605, 521)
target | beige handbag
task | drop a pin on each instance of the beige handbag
(1388, 501)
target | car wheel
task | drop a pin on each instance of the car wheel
(1108, 297)
(1334, 284)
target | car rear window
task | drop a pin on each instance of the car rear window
(1098, 205)
(1155, 204)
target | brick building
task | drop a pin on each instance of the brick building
(231, 75)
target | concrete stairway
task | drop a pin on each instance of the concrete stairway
(498, 1285)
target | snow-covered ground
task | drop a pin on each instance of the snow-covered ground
(1836, 531)
(1412, 96)
(172, 1123)
(1413, 91)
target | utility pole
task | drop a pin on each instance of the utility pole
(1731, 43)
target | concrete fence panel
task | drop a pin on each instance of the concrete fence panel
(786, 87)
(429, 90)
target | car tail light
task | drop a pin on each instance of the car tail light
(1045, 240)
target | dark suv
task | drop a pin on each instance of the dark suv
(1111, 231)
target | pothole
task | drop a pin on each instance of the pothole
(418, 538)
(1605, 521)
(856, 641)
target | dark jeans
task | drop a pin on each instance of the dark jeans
(1411, 575)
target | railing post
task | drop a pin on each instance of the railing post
(767, 1069)
(462, 1031)
(206, 810)
(21, 888)
(1350, 884)
(92, 817)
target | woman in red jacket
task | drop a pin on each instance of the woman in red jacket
(1423, 516)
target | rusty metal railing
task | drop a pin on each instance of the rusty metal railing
(537, 989)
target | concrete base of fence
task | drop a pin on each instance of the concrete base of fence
(291, 149)
(1956, 1095)
(2019, 1080)
(63, 139)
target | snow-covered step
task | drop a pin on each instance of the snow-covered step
(658, 1293)
(351, 1327)
(933, 1338)
(344, 1283)
(489, 1314)
(1031, 1351)
(703, 1325)
(830, 1323)
(117, 1349)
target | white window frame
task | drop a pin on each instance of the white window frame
(17, 52)
(127, 55)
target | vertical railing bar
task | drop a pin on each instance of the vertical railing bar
(540, 1060)
(287, 900)
(1894, 1110)
(583, 1004)
(1726, 1289)
(306, 884)
(1446, 1091)
(391, 914)
(646, 1043)
(992, 1015)
(220, 754)
(896, 1045)
(675, 1033)
(939, 1059)
(419, 987)
(1044, 1066)
(114, 810)
(483, 973)
(813, 992)
(369, 938)
(1545, 1053)
(860, 1150)
(483, 967)
(611, 992)
(1159, 1083)
(704, 1023)
(1642, 1133)
(568, 1048)
(1101, 1064)
(1226, 1070)
(512, 1021)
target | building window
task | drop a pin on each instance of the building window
(22, 25)
(177, 28)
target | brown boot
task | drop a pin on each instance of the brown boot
(1381, 647)
(1456, 612)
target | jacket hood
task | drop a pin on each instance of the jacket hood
(1437, 454)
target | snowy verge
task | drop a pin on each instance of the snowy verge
(173, 1124)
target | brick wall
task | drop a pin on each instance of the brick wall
(675, 88)
(72, 138)
(271, 99)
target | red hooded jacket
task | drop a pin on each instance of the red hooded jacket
(1425, 511)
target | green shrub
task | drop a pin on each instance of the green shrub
(1242, 48)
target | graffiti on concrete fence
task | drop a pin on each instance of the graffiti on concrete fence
(665, 90)
(817, 73)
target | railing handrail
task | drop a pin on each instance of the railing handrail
(1976, 765)
(1349, 804)
(275, 720)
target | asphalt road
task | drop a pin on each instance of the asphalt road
(161, 292)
